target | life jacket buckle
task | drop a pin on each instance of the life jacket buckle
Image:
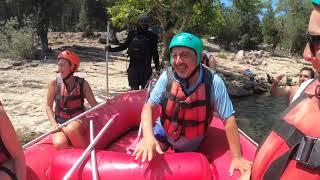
(308, 153)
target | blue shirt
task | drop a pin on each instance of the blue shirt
(220, 100)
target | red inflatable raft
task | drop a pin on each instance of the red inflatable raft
(210, 162)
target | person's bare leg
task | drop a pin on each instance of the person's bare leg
(60, 141)
(75, 132)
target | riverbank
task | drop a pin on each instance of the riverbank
(23, 84)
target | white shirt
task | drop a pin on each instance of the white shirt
(301, 89)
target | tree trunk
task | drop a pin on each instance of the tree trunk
(44, 43)
(3, 10)
(42, 30)
(185, 21)
(165, 51)
(113, 35)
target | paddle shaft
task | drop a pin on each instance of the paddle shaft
(89, 148)
(107, 60)
(62, 125)
(149, 84)
(93, 154)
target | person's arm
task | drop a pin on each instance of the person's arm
(148, 144)
(278, 91)
(12, 144)
(222, 104)
(232, 133)
(89, 95)
(124, 45)
(49, 104)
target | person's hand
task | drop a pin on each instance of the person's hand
(241, 164)
(245, 175)
(55, 128)
(146, 148)
(278, 78)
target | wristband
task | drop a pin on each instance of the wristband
(316, 2)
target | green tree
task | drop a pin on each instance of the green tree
(229, 30)
(92, 17)
(17, 42)
(84, 20)
(270, 30)
(294, 23)
(3, 10)
(180, 15)
(250, 29)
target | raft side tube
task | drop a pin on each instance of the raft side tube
(115, 165)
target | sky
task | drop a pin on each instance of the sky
(229, 2)
(274, 4)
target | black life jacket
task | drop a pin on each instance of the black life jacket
(140, 45)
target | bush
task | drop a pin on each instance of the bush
(16, 42)
(222, 56)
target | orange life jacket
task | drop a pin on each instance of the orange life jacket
(187, 115)
(292, 149)
(68, 104)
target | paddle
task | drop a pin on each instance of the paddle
(89, 148)
(62, 125)
(107, 60)
(93, 154)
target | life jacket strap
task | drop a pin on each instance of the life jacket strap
(308, 152)
(304, 149)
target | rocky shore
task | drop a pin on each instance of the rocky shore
(23, 84)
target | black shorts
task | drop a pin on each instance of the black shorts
(138, 77)
(9, 172)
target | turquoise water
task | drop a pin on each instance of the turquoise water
(255, 114)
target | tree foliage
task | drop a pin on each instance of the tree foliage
(270, 28)
(294, 23)
(246, 22)
(231, 22)
(250, 28)
(17, 42)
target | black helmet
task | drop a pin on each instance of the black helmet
(143, 18)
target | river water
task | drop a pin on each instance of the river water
(255, 114)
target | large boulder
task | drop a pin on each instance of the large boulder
(238, 91)
(112, 37)
(240, 55)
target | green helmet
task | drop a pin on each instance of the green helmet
(187, 40)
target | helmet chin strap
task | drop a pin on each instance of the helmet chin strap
(185, 81)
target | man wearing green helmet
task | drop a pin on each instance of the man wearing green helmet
(188, 93)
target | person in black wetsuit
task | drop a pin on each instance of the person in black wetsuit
(142, 47)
